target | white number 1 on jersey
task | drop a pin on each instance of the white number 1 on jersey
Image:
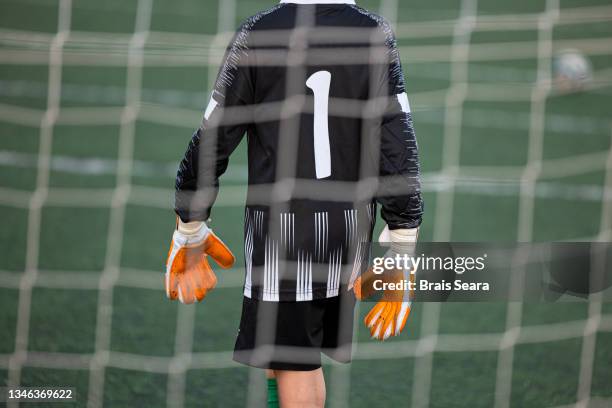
(320, 82)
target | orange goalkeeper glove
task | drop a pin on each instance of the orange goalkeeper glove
(389, 315)
(189, 276)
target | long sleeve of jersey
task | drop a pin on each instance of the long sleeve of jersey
(225, 122)
(399, 183)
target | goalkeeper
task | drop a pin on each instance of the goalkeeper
(318, 90)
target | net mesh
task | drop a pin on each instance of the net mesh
(97, 102)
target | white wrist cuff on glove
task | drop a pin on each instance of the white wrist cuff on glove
(399, 236)
(190, 228)
(403, 241)
(191, 233)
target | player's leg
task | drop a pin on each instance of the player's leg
(301, 389)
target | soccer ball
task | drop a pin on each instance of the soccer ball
(572, 71)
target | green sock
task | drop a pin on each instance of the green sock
(272, 393)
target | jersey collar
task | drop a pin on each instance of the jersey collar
(319, 1)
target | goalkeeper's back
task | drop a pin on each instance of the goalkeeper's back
(318, 89)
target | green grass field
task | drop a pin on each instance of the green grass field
(104, 183)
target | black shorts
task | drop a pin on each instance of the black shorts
(292, 335)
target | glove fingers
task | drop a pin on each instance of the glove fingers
(194, 285)
(378, 332)
(402, 318)
(205, 279)
(174, 267)
(191, 289)
(388, 332)
(181, 291)
(386, 317)
(378, 326)
(171, 284)
(187, 288)
(390, 315)
(199, 287)
(373, 315)
(209, 279)
(219, 251)
(389, 320)
(375, 331)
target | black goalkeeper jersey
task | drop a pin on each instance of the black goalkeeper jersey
(318, 90)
